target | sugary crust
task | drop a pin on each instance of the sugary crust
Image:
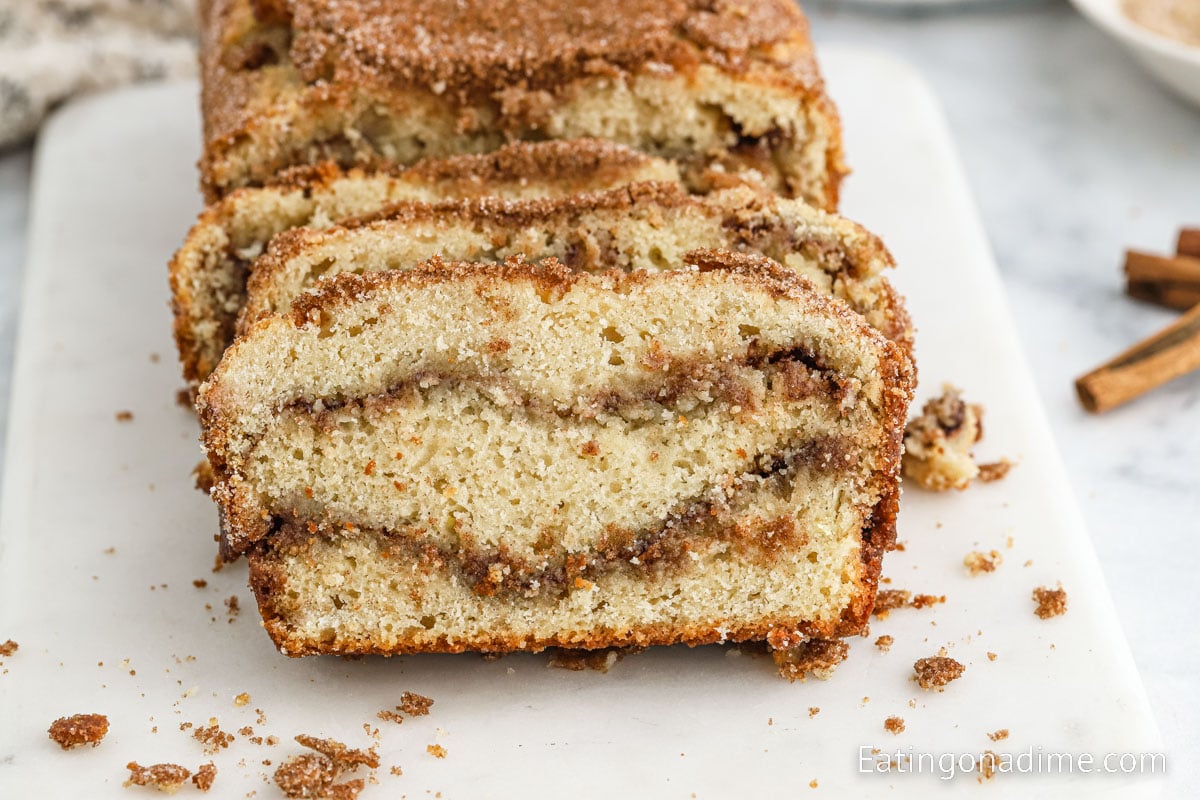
(270, 64)
(520, 168)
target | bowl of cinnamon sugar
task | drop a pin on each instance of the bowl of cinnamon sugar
(1164, 35)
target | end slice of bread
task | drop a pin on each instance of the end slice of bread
(505, 457)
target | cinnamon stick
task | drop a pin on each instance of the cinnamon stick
(1168, 354)
(1171, 281)
(1189, 242)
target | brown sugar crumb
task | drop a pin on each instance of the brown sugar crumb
(242, 699)
(935, 672)
(816, 656)
(894, 725)
(232, 606)
(124, 416)
(391, 716)
(204, 777)
(246, 730)
(887, 600)
(78, 730)
(998, 736)
(200, 583)
(987, 765)
(436, 750)
(992, 656)
(164, 777)
(415, 705)
(978, 563)
(813, 711)
(995, 471)
(1050, 602)
(9, 648)
(925, 600)
(937, 444)
(212, 737)
(313, 774)
(306, 775)
(884, 643)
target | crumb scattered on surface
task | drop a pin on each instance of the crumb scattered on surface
(9, 648)
(926, 600)
(232, 607)
(998, 736)
(212, 737)
(124, 416)
(816, 657)
(813, 711)
(183, 398)
(995, 470)
(391, 716)
(937, 444)
(978, 563)
(435, 750)
(992, 656)
(884, 643)
(396, 771)
(415, 705)
(312, 775)
(164, 777)
(242, 699)
(934, 672)
(987, 765)
(200, 583)
(887, 600)
(894, 725)
(1050, 602)
(78, 730)
(812, 784)
(204, 777)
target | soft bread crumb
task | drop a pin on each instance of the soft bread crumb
(78, 730)
(934, 672)
(978, 563)
(937, 444)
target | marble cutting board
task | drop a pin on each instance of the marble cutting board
(102, 536)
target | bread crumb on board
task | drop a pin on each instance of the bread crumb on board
(164, 777)
(938, 445)
(313, 775)
(78, 730)
(1050, 602)
(934, 672)
(978, 563)
(894, 725)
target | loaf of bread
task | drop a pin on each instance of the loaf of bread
(208, 273)
(511, 456)
(722, 87)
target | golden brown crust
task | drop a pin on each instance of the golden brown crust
(265, 63)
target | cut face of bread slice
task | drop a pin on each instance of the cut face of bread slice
(643, 226)
(722, 87)
(500, 457)
(208, 274)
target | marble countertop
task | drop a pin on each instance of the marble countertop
(1073, 154)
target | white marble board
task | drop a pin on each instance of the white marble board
(114, 194)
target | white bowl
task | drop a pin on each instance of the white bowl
(1175, 64)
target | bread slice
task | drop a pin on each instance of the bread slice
(642, 226)
(721, 86)
(509, 457)
(208, 273)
